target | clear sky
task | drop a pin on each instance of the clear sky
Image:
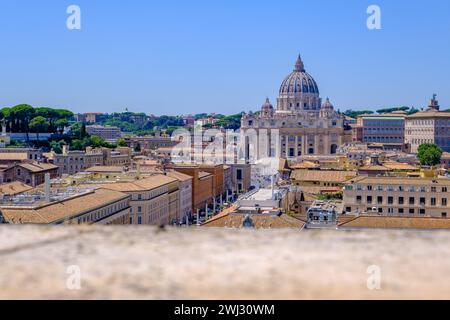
(224, 56)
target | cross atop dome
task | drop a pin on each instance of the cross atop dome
(299, 66)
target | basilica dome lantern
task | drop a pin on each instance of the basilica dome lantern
(267, 109)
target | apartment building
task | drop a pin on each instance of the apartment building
(203, 185)
(154, 200)
(88, 206)
(108, 133)
(32, 173)
(73, 161)
(431, 126)
(395, 196)
(185, 198)
(150, 142)
(386, 128)
(11, 156)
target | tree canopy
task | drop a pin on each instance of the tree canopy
(429, 154)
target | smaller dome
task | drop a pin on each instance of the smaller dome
(327, 105)
(267, 105)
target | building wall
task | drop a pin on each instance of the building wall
(31, 178)
(105, 132)
(202, 188)
(428, 129)
(383, 129)
(398, 199)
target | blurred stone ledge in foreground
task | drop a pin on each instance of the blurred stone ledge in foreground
(152, 263)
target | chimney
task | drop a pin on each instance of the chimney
(65, 148)
(47, 187)
(138, 169)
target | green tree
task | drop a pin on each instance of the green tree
(56, 146)
(61, 124)
(355, 113)
(121, 142)
(429, 154)
(77, 144)
(39, 124)
(97, 141)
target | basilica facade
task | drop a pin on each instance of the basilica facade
(299, 125)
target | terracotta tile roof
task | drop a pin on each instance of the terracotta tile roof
(149, 183)
(260, 221)
(61, 210)
(322, 175)
(179, 176)
(374, 168)
(396, 222)
(402, 181)
(429, 114)
(14, 188)
(38, 167)
(394, 165)
(305, 165)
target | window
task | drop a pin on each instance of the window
(139, 209)
(401, 200)
(422, 201)
(139, 220)
(369, 199)
(380, 200)
(390, 200)
(444, 189)
(369, 188)
(444, 214)
(239, 174)
(401, 210)
(358, 199)
(412, 211)
(433, 189)
(444, 202)
(422, 211)
(400, 188)
(433, 201)
(380, 188)
(412, 200)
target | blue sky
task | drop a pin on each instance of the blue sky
(223, 56)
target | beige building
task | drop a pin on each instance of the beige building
(87, 206)
(431, 126)
(185, 196)
(394, 196)
(300, 125)
(154, 200)
(108, 133)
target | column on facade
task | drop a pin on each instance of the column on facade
(326, 144)
(316, 144)
(286, 140)
(296, 146)
(304, 145)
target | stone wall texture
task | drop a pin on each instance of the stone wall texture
(199, 263)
